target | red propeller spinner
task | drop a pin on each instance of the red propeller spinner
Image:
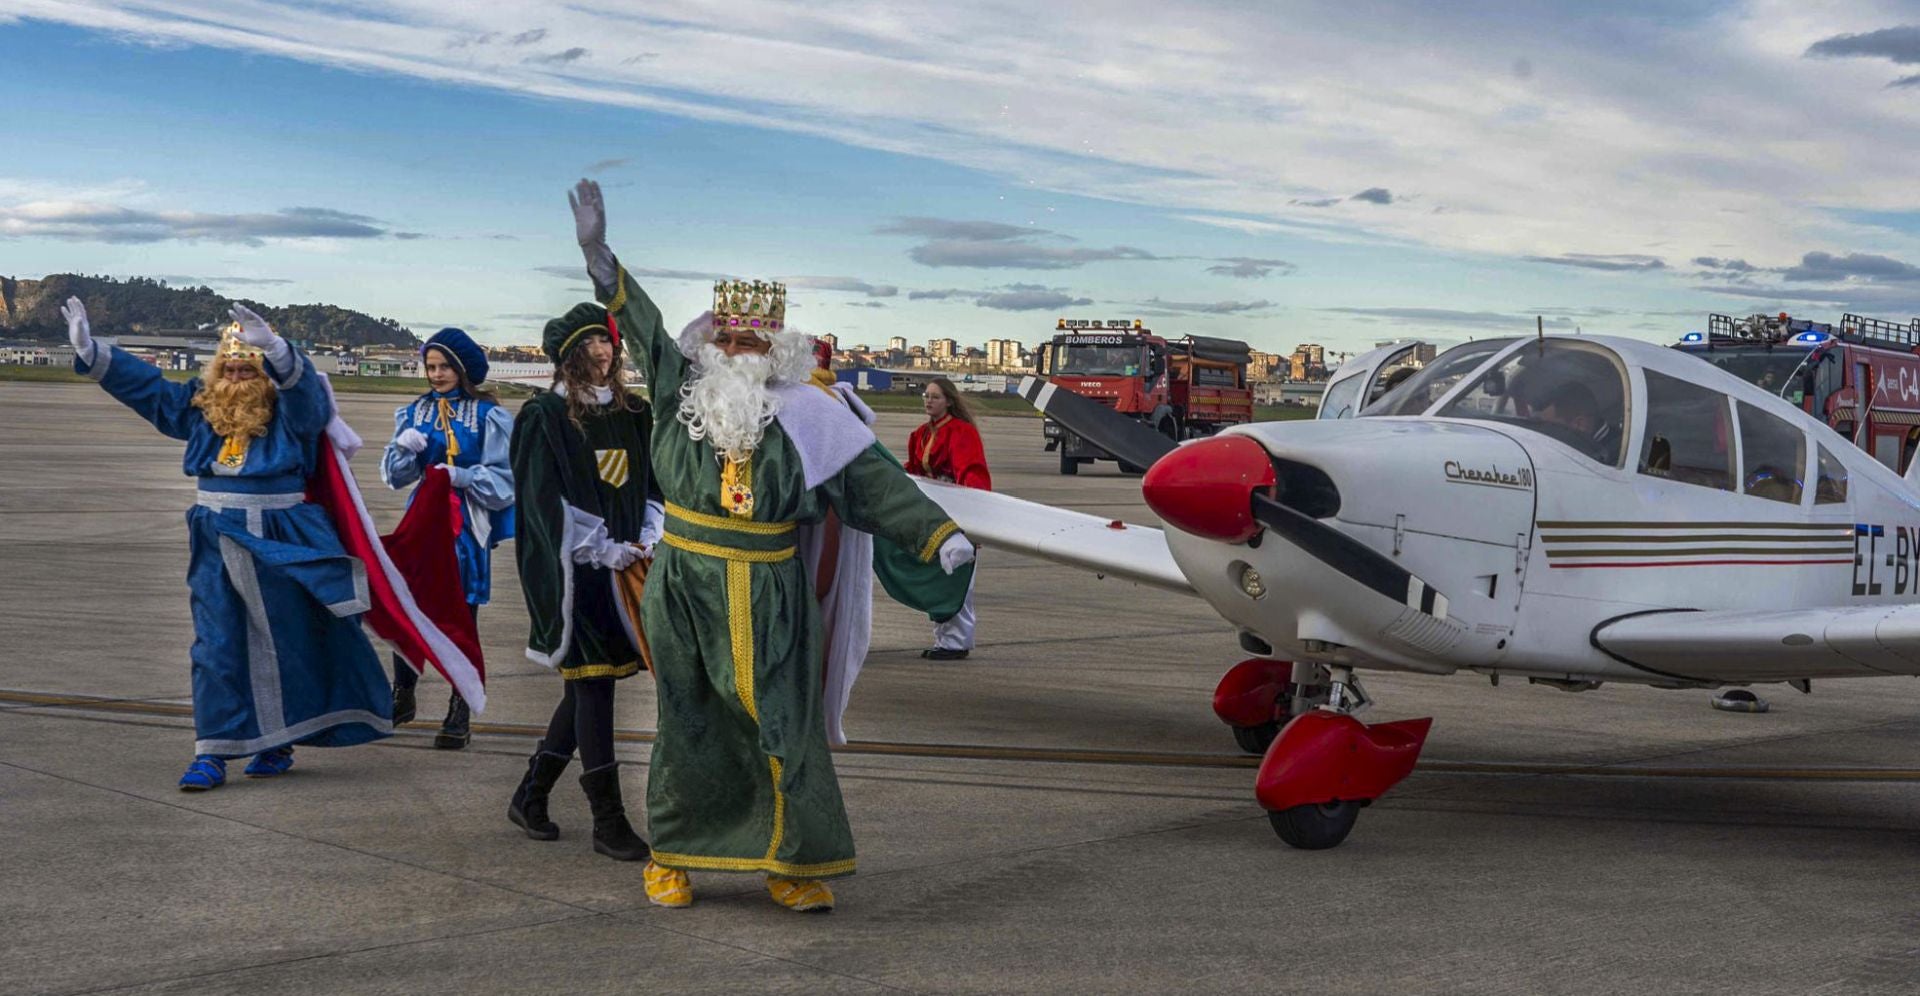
(1206, 487)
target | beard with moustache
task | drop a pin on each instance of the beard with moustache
(730, 400)
(236, 407)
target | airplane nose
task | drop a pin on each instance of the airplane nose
(1206, 487)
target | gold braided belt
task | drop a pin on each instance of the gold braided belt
(728, 538)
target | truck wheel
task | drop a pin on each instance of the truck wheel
(1069, 465)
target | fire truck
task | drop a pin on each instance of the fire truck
(1186, 387)
(1860, 375)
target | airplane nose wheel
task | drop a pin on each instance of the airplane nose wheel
(1316, 827)
(1325, 766)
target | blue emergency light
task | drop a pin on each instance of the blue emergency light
(1812, 337)
(1692, 337)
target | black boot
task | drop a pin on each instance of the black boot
(613, 836)
(404, 678)
(528, 810)
(455, 730)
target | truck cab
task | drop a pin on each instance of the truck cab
(1186, 387)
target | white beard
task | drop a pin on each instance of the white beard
(730, 399)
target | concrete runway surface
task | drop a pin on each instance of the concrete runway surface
(392, 868)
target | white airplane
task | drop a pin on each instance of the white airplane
(1571, 510)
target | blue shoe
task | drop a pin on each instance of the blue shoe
(269, 763)
(205, 773)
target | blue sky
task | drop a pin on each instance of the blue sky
(1296, 172)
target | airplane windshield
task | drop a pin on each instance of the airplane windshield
(1418, 393)
(1572, 391)
(1097, 361)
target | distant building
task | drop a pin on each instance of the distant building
(897, 344)
(942, 349)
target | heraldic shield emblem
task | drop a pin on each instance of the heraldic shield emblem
(613, 466)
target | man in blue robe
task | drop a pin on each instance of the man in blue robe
(278, 654)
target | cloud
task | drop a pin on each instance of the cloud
(606, 164)
(1248, 267)
(1164, 113)
(1374, 195)
(1034, 299)
(850, 284)
(574, 272)
(1010, 297)
(523, 316)
(410, 236)
(1439, 316)
(1901, 45)
(180, 281)
(1157, 306)
(567, 57)
(1865, 267)
(868, 304)
(1728, 265)
(98, 222)
(996, 245)
(1598, 261)
(1317, 203)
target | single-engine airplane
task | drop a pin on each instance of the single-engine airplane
(1572, 510)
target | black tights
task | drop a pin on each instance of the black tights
(584, 720)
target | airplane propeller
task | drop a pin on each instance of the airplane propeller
(1188, 491)
(1119, 435)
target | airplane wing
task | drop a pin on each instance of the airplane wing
(1106, 547)
(1776, 645)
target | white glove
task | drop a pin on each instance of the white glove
(616, 556)
(79, 333)
(255, 332)
(411, 440)
(590, 228)
(955, 552)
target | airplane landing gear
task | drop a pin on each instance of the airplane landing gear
(1257, 696)
(1325, 765)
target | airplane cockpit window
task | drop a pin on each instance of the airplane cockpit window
(1830, 486)
(1572, 391)
(1340, 398)
(1773, 456)
(1689, 433)
(1417, 393)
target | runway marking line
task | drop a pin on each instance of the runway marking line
(1076, 755)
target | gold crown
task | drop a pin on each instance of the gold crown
(232, 347)
(755, 305)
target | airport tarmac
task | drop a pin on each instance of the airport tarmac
(392, 868)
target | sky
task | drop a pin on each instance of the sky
(1285, 172)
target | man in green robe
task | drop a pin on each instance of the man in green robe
(744, 451)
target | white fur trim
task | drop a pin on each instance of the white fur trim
(460, 671)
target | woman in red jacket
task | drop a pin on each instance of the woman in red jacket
(947, 448)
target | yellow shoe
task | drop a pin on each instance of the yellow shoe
(667, 887)
(802, 895)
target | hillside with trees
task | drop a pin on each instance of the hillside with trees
(30, 309)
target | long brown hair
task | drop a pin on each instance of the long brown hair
(956, 405)
(576, 372)
(466, 386)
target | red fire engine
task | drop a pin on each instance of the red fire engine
(1861, 375)
(1186, 387)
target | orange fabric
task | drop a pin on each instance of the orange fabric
(632, 583)
(949, 450)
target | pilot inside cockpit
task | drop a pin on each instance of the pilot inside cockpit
(1571, 391)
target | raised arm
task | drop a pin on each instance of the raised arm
(643, 335)
(874, 495)
(304, 401)
(140, 386)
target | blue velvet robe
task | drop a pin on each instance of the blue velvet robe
(278, 654)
